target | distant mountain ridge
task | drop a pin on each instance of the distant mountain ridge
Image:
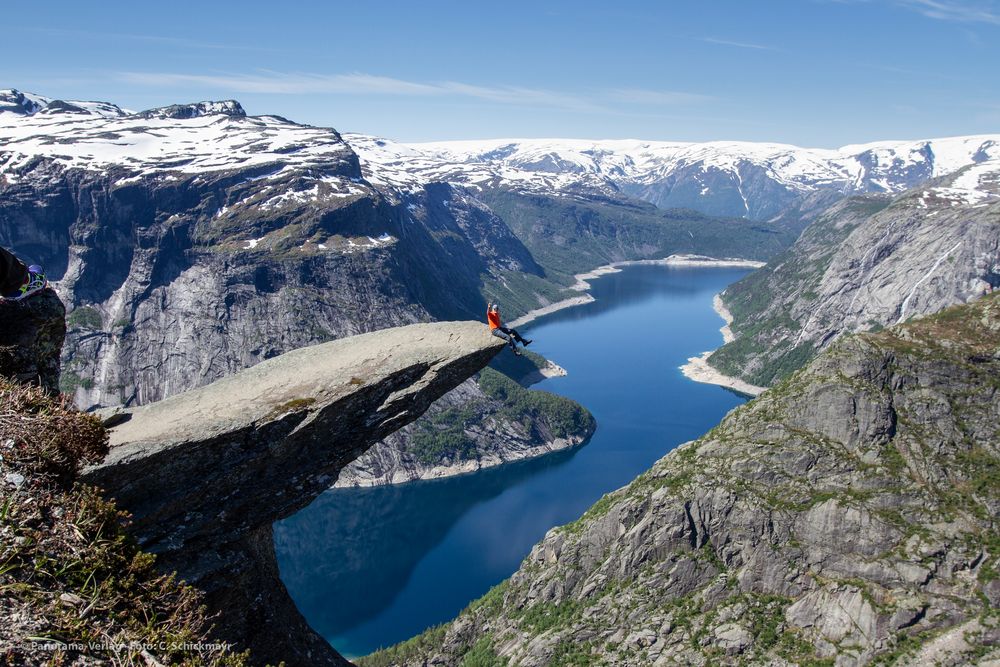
(741, 179)
(725, 178)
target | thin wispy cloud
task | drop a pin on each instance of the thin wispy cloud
(739, 45)
(958, 11)
(963, 12)
(358, 83)
(656, 97)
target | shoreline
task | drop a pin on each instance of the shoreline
(582, 283)
(463, 467)
(699, 370)
(551, 308)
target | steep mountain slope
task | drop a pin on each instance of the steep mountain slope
(738, 179)
(173, 234)
(867, 263)
(847, 516)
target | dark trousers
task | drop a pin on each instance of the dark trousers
(13, 272)
(509, 335)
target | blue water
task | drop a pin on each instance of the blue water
(371, 567)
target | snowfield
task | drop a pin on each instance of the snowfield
(190, 139)
(204, 137)
(882, 166)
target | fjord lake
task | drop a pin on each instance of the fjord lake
(370, 567)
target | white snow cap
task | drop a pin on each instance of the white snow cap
(187, 138)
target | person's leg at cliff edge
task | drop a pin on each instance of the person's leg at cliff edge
(18, 281)
(499, 333)
(515, 336)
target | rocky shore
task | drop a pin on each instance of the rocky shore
(699, 370)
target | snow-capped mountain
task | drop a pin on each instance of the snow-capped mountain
(172, 234)
(213, 137)
(743, 179)
(738, 179)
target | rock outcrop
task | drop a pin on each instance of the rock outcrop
(31, 339)
(846, 516)
(482, 423)
(193, 241)
(863, 264)
(206, 472)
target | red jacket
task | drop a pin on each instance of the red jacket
(493, 317)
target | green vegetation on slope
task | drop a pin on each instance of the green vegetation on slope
(519, 293)
(73, 585)
(762, 303)
(849, 512)
(572, 235)
(562, 416)
(85, 317)
(444, 436)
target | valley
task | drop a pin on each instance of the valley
(846, 515)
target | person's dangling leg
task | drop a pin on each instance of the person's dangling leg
(13, 273)
(523, 341)
(501, 332)
(516, 336)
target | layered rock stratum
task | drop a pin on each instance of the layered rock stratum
(847, 516)
(207, 472)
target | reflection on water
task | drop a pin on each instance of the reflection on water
(385, 530)
(371, 567)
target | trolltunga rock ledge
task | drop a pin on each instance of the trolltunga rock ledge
(207, 472)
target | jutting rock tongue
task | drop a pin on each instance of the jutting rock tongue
(207, 472)
(31, 339)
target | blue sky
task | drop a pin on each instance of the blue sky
(810, 72)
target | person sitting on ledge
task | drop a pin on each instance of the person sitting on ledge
(18, 281)
(500, 331)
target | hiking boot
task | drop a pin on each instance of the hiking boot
(36, 282)
(526, 343)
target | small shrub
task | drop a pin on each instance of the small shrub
(70, 573)
(85, 317)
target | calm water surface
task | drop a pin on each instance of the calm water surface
(371, 567)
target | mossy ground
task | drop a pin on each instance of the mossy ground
(74, 586)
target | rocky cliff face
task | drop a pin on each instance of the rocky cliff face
(480, 424)
(864, 264)
(847, 516)
(206, 473)
(174, 233)
(31, 339)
